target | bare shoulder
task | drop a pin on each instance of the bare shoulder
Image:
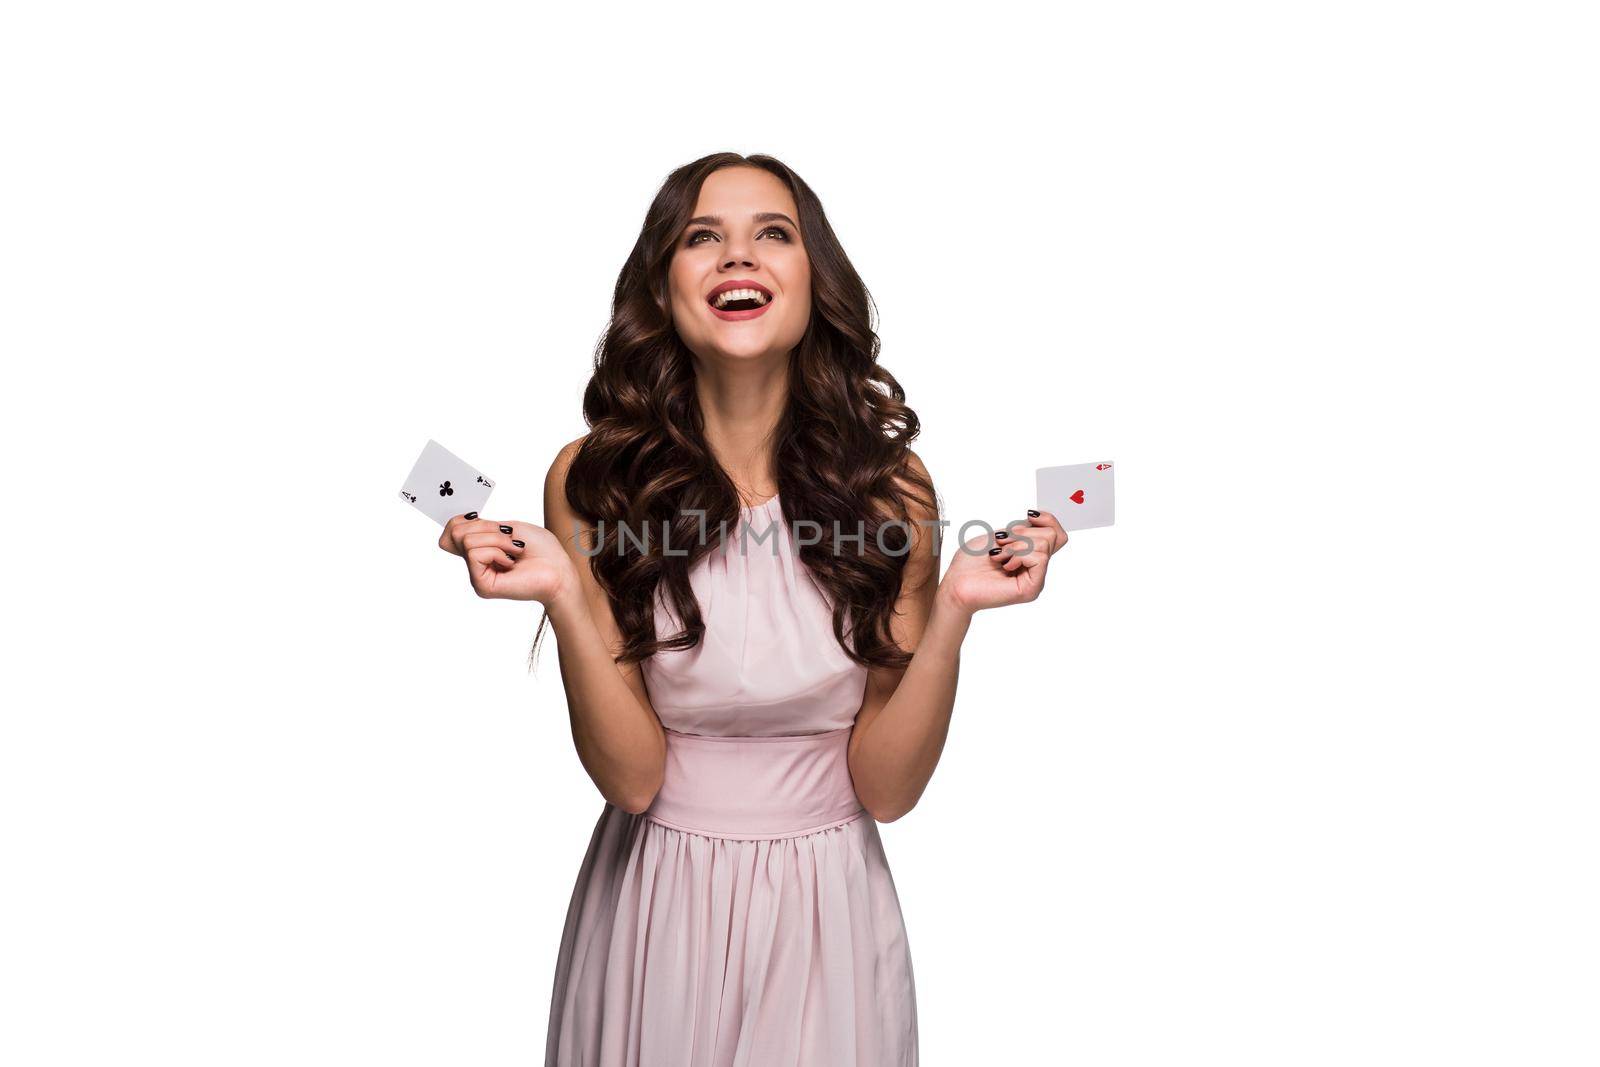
(558, 515)
(570, 530)
(563, 461)
(921, 509)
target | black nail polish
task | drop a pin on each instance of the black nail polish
(470, 515)
(505, 529)
(994, 552)
(1001, 535)
(1032, 514)
(519, 544)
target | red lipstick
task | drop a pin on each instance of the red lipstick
(740, 314)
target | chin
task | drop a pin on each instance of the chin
(751, 351)
(731, 345)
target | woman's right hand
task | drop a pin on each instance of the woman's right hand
(510, 560)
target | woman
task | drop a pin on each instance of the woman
(739, 562)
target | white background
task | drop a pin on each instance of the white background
(1296, 764)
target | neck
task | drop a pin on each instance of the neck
(741, 402)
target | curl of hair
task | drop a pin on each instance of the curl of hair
(839, 449)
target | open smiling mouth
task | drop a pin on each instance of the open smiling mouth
(739, 300)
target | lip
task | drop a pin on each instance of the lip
(738, 316)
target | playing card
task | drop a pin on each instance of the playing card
(1080, 495)
(442, 485)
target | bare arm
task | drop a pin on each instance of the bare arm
(905, 716)
(614, 728)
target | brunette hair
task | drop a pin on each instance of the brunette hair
(839, 449)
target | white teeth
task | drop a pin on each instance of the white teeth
(723, 299)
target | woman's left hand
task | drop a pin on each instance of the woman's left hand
(1009, 568)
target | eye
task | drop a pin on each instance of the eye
(782, 233)
(694, 238)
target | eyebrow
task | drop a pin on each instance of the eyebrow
(764, 216)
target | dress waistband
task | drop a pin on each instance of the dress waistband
(756, 787)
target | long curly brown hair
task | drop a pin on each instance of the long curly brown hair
(839, 449)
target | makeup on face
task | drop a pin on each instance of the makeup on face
(739, 299)
(740, 258)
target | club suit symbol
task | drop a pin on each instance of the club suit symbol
(408, 496)
(485, 482)
(445, 490)
(1076, 498)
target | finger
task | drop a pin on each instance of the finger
(489, 558)
(511, 547)
(479, 538)
(1002, 556)
(1029, 564)
(452, 524)
(516, 533)
(1043, 539)
(509, 527)
(1015, 556)
(1037, 529)
(980, 543)
(1045, 518)
(457, 527)
(1034, 527)
(447, 537)
(1029, 560)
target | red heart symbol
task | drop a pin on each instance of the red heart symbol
(1076, 498)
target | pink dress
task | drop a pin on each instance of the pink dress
(748, 918)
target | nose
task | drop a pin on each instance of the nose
(740, 253)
